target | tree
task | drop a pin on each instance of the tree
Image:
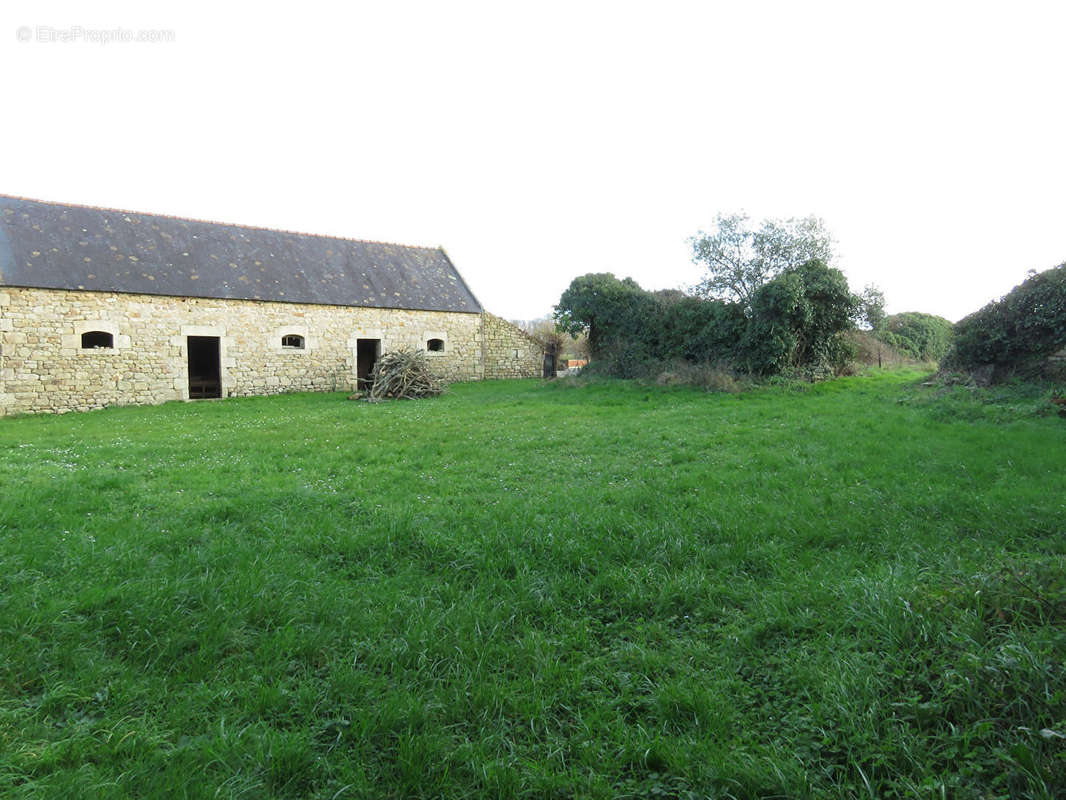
(605, 308)
(740, 258)
(871, 308)
(922, 336)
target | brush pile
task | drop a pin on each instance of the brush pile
(403, 374)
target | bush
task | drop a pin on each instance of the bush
(631, 331)
(796, 320)
(625, 359)
(698, 330)
(1013, 335)
(840, 354)
(922, 337)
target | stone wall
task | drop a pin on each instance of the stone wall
(1056, 365)
(44, 368)
(509, 352)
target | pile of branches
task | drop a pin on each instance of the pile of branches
(403, 374)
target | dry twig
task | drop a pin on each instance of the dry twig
(404, 374)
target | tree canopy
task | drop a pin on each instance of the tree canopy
(602, 306)
(926, 337)
(739, 258)
(871, 308)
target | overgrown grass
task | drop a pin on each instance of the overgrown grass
(530, 590)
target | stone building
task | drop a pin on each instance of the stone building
(103, 307)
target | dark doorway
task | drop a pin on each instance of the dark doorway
(366, 355)
(205, 375)
(549, 362)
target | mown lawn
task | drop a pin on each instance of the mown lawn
(546, 591)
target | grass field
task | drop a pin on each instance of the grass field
(855, 589)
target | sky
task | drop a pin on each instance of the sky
(540, 141)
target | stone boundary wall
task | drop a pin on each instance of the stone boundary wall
(509, 352)
(1056, 365)
(44, 368)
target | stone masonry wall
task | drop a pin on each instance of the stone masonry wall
(44, 368)
(510, 352)
(1056, 365)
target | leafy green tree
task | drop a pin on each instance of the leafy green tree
(740, 258)
(605, 308)
(925, 337)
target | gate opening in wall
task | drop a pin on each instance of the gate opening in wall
(205, 373)
(366, 355)
(550, 364)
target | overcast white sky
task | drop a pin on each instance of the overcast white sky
(537, 142)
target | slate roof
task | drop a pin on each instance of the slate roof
(57, 246)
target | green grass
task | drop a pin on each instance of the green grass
(530, 590)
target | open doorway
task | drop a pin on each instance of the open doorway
(366, 355)
(549, 361)
(205, 374)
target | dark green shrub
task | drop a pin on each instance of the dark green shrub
(699, 330)
(841, 351)
(609, 310)
(778, 309)
(832, 306)
(1015, 333)
(796, 319)
(630, 329)
(625, 359)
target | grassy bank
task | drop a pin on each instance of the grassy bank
(520, 589)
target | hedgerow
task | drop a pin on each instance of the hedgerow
(1015, 333)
